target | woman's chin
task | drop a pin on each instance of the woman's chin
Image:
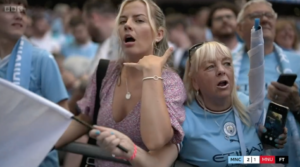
(223, 94)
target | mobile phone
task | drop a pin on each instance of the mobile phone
(287, 79)
(274, 123)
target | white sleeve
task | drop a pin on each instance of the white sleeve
(256, 77)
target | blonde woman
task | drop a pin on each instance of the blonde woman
(217, 124)
(140, 96)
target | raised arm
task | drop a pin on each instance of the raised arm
(162, 110)
(256, 76)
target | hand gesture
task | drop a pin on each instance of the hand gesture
(151, 62)
(285, 95)
(108, 139)
(281, 140)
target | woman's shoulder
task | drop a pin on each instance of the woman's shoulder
(113, 71)
(194, 118)
(170, 76)
(170, 73)
(173, 83)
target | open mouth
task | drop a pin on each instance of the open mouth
(266, 27)
(129, 39)
(223, 84)
(17, 25)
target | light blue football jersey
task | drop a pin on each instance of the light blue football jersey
(205, 144)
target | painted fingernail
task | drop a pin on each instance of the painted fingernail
(276, 140)
(112, 133)
(97, 132)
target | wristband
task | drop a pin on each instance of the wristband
(134, 153)
(132, 157)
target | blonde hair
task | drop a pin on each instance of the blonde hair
(281, 23)
(241, 14)
(207, 52)
(156, 19)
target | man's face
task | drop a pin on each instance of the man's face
(223, 23)
(12, 19)
(267, 21)
(80, 33)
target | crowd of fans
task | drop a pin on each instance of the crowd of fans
(81, 37)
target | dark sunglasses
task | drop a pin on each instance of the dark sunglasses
(193, 49)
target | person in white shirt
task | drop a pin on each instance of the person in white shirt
(41, 36)
(100, 19)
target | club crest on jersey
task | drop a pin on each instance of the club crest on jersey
(229, 129)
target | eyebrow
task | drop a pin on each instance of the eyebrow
(213, 61)
(137, 15)
(226, 58)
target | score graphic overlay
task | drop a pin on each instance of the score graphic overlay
(235, 160)
(251, 160)
(258, 159)
(267, 159)
(281, 159)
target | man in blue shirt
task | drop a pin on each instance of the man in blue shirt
(82, 45)
(27, 66)
(276, 60)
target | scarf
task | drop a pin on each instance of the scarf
(19, 64)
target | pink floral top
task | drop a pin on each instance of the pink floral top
(175, 96)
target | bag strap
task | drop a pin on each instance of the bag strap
(101, 72)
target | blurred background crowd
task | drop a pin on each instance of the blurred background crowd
(79, 34)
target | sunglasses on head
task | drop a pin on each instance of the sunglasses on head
(193, 49)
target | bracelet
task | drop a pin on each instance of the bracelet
(131, 158)
(134, 153)
(155, 77)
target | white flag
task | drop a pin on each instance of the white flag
(29, 126)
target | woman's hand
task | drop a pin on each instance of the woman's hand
(281, 140)
(151, 62)
(108, 139)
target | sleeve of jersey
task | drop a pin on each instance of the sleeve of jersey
(256, 77)
(52, 85)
